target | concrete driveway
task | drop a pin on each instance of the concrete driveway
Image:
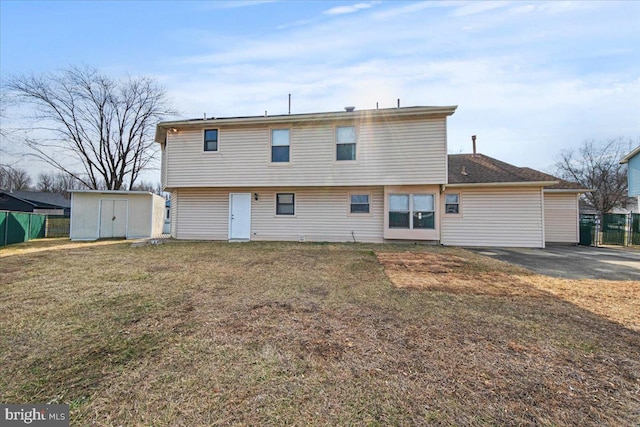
(572, 262)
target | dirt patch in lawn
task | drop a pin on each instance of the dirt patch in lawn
(451, 273)
(615, 300)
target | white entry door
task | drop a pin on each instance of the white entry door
(240, 216)
(113, 218)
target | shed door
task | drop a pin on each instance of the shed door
(113, 218)
(240, 216)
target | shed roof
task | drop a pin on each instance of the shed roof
(480, 169)
(107, 192)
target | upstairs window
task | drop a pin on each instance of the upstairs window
(359, 203)
(345, 143)
(452, 203)
(411, 211)
(280, 145)
(211, 140)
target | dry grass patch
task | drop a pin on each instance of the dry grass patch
(197, 333)
(618, 301)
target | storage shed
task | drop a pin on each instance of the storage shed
(99, 214)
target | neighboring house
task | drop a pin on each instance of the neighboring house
(36, 202)
(366, 176)
(99, 214)
(633, 173)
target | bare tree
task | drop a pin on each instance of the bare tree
(596, 165)
(14, 179)
(151, 187)
(57, 183)
(4, 130)
(95, 124)
(45, 182)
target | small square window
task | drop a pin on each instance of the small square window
(452, 203)
(360, 203)
(285, 204)
(211, 140)
(346, 143)
(280, 145)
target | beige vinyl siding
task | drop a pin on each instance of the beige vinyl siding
(321, 214)
(174, 213)
(509, 217)
(561, 217)
(393, 152)
(202, 214)
(163, 169)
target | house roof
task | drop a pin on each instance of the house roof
(475, 169)
(629, 156)
(383, 113)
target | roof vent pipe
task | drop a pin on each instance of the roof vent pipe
(204, 116)
(349, 109)
(398, 102)
(473, 139)
(289, 103)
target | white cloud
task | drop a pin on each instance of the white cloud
(342, 10)
(528, 84)
(476, 7)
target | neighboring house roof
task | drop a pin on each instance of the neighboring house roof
(10, 201)
(470, 169)
(629, 156)
(53, 199)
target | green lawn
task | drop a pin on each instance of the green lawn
(201, 333)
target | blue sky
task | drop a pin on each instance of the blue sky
(529, 77)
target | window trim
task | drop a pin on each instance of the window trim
(204, 141)
(359, 214)
(271, 162)
(411, 210)
(450, 214)
(335, 142)
(281, 215)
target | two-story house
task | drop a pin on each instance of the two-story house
(363, 176)
(633, 173)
